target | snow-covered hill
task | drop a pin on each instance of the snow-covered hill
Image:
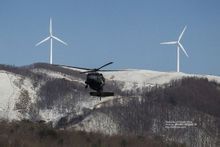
(12, 85)
(144, 78)
(56, 94)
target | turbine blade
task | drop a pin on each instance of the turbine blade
(171, 42)
(59, 40)
(183, 49)
(50, 27)
(42, 41)
(181, 35)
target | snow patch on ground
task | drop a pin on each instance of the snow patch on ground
(9, 93)
(10, 89)
(58, 75)
(49, 115)
(98, 122)
(84, 104)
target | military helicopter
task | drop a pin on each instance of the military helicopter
(96, 80)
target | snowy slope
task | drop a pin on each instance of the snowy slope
(12, 85)
(144, 78)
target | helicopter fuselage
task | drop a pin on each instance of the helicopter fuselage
(95, 81)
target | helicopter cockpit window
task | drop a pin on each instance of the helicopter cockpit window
(93, 77)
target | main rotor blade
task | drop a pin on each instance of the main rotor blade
(89, 71)
(82, 68)
(171, 42)
(59, 40)
(96, 69)
(181, 35)
(183, 49)
(43, 41)
(84, 72)
(75, 67)
(114, 70)
(104, 66)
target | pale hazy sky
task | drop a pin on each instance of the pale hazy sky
(127, 32)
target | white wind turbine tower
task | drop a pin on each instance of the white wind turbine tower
(51, 37)
(179, 46)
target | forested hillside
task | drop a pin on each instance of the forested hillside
(155, 108)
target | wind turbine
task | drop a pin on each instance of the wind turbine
(51, 37)
(179, 46)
